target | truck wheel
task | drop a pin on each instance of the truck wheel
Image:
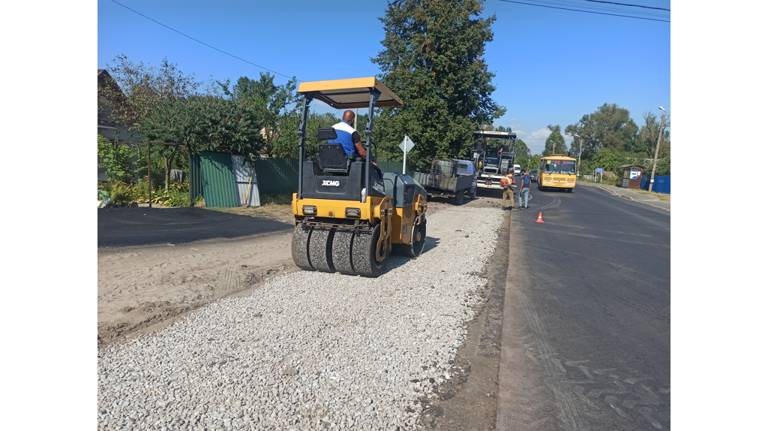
(459, 198)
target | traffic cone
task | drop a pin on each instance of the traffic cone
(540, 218)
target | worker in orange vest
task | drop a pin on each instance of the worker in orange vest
(507, 195)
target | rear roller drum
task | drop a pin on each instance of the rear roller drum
(341, 252)
(300, 247)
(364, 259)
(418, 238)
(320, 249)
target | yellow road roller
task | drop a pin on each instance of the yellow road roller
(349, 216)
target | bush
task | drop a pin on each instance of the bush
(121, 194)
(140, 192)
(177, 195)
(116, 160)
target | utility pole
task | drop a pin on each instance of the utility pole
(578, 161)
(656, 154)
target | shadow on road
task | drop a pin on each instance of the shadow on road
(396, 260)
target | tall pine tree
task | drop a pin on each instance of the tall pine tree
(433, 59)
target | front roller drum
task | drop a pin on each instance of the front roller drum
(364, 256)
(341, 252)
(300, 247)
(320, 249)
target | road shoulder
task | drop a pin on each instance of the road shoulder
(468, 401)
(639, 196)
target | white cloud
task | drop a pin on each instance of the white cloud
(537, 138)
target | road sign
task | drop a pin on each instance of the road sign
(407, 144)
(598, 170)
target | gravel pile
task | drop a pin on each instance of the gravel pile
(309, 350)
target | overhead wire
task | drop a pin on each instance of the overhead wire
(584, 10)
(201, 42)
(642, 6)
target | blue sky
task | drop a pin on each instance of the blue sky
(551, 66)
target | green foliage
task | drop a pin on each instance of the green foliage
(121, 194)
(610, 126)
(533, 162)
(140, 192)
(287, 144)
(117, 160)
(649, 135)
(146, 87)
(267, 103)
(433, 59)
(175, 196)
(555, 143)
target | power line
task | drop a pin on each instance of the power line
(628, 4)
(584, 11)
(194, 39)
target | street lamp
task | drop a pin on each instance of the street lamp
(656, 153)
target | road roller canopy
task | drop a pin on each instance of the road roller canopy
(350, 93)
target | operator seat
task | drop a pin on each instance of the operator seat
(331, 158)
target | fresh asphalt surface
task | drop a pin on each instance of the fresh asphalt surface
(146, 226)
(586, 331)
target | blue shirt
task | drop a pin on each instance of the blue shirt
(345, 136)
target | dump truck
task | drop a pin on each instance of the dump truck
(348, 215)
(453, 179)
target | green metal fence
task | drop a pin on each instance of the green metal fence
(219, 183)
(212, 177)
(277, 176)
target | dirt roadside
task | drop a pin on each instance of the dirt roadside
(142, 286)
(468, 402)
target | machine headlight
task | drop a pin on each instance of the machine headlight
(309, 210)
(352, 212)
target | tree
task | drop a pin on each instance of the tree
(149, 106)
(266, 102)
(649, 135)
(534, 161)
(555, 143)
(287, 144)
(610, 126)
(432, 58)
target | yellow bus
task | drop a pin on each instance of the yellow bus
(557, 172)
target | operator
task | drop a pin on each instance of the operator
(348, 137)
(507, 183)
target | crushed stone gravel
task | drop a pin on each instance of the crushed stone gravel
(309, 350)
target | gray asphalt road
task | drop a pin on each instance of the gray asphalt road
(143, 226)
(586, 330)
